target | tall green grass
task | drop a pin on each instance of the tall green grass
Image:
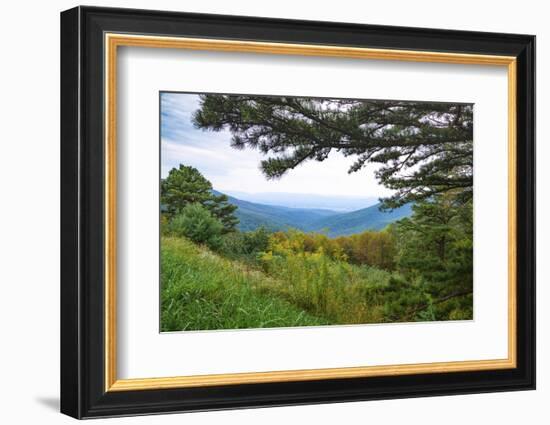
(202, 291)
(339, 291)
(319, 278)
(285, 287)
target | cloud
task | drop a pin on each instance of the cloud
(176, 114)
(230, 169)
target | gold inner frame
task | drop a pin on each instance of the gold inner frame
(113, 41)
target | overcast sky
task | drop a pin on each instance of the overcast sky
(233, 170)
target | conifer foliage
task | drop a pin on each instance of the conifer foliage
(185, 186)
(422, 148)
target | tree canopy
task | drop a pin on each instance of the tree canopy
(421, 148)
(185, 186)
(436, 243)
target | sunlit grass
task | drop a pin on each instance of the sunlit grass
(287, 287)
(202, 291)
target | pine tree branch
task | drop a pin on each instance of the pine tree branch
(438, 301)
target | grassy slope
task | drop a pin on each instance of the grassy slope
(201, 291)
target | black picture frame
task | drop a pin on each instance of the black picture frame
(83, 392)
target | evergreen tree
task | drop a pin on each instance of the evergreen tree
(422, 149)
(435, 259)
(183, 186)
(198, 224)
(221, 208)
(186, 185)
(435, 244)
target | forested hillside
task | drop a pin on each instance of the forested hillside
(215, 276)
(230, 264)
(252, 216)
(371, 218)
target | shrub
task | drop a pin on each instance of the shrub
(324, 283)
(196, 223)
(245, 245)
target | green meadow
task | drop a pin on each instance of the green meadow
(260, 257)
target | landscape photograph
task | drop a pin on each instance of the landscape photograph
(285, 211)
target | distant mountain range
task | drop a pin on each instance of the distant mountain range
(370, 218)
(252, 215)
(306, 200)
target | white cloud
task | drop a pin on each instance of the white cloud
(230, 169)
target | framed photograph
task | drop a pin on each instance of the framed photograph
(261, 212)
